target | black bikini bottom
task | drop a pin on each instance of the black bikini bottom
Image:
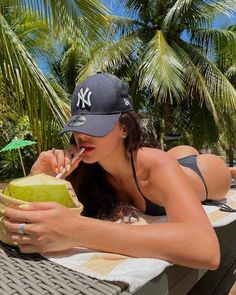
(191, 162)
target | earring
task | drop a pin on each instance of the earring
(124, 136)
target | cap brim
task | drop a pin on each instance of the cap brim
(94, 125)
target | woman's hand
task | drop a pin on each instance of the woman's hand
(48, 227)
(55, 161)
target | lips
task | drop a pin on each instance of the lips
(88, 148)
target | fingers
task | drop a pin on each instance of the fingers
(27, 248)
(13, 228)
(46, 163)
(61, 160)
(26, 243)
(21, 239)
(39, 206)
(67, 160)
(33, 215)
(57, 161)
(54, 160)
(73, 149)
(30, 220)
(19, 215)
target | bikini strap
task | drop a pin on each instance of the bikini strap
(151, 208)
(191, 162)
(135, 175)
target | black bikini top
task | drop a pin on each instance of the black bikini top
(151, 208)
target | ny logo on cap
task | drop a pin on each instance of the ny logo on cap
(84, 98)
(127, 103)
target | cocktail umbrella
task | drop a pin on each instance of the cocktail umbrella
(17, 143)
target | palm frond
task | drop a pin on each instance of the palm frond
(228, 127)
(221, 90)
(32, 90)
(225, 53)
(72, 62)
(203, 127)
(110, 55)
(33, 33)
(135, 6)
(176, 12)
(161, 70)
(219, 7)
(122, 25)
(231, 72)
(196, 13)
(65, 14)
(212, 38)
(195, 81)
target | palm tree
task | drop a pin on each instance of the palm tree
(168, 50)
(23, 85)
(226, 62)
(165, 49)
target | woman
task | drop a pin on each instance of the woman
(114, 169)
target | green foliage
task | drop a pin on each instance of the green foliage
(12, 126)
(179, 86)
(10, 165)
(180, 71)
(25, 30)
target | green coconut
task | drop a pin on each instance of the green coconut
(37, 188)
(42, 188)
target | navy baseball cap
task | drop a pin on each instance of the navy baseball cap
(97, 104)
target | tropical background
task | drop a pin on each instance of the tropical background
(178, 56)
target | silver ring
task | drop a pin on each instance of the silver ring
(21, 229)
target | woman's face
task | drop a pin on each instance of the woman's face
(98, 148)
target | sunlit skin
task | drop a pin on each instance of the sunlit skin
(214, 170)
(52, 227)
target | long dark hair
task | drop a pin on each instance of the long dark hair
(90, 182)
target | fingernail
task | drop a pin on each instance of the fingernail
(61, 169)
(57, 171)
(68, 168)
(2, 211)
(24, 206)
(15, 243)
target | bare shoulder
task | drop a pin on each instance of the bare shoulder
(167, 185)
(157, 165)
(161, 171)
(153, 158)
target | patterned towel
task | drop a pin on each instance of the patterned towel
(134, 271)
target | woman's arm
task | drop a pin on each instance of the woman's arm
(53, 228)
(188, 239)
(179, 243)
